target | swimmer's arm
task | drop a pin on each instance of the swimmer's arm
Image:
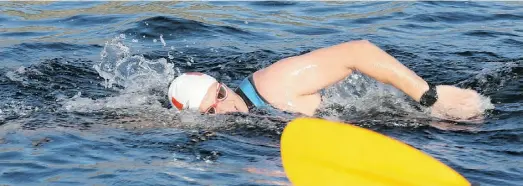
(321, 68)
(378, 64)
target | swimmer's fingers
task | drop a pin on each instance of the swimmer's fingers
(459, 104)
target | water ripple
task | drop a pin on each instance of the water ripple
(83, 86)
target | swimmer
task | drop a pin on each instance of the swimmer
(293, 84)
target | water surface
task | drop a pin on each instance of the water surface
(83, 86)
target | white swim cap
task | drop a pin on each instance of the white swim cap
(189, 89)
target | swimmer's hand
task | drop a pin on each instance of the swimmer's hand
(459, 104)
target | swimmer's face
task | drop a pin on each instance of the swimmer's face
(221, 99)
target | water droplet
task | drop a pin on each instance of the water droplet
(161, 39)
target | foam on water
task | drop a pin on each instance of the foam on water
(10, 109)
(359, 94)
(140, 81)
(19, 75)
(119, 66)
(493, 76)
(142, 85)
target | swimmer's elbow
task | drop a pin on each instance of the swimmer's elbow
(357, 51)
(359, 43)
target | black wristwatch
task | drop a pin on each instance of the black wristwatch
(429, 97)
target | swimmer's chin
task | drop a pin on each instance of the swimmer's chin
(241, 108)
(235, 111)
(240, 111)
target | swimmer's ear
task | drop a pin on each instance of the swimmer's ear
(321, 152)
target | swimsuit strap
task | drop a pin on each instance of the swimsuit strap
(247, 91)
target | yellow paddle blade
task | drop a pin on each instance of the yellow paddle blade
(318, 152)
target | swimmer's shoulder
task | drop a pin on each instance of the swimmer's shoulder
(266, 86)
(270, 87)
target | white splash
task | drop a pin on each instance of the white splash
(161, 39)
(19, 75)
(361, 93)
(119, 66)
(169, 55)
(141, 84)
(191, 61)
(16, 108)
(139, 77)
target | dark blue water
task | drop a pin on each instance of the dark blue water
(83, 85)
